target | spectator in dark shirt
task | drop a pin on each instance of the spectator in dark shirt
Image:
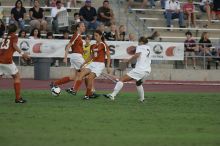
(205, 47)
(113, 34)
(2, 28)
(190, 48)
(105, 14)
(37, 17)
(17, 14)
(88, 15)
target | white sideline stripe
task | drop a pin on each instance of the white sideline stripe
(177, 28)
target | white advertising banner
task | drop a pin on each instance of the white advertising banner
(118, 49)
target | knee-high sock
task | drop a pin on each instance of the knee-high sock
(62, 81)
(17, 88)
(140, 90)
(117, 88)
(88, 92)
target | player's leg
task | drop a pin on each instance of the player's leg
(65, 79)
(17, 88)
(79, 77)
(119, 86)
(140, 90)
(89, 93)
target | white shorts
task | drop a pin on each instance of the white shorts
(76, 60)
(137, 74)
(96, 67)
(8, 69)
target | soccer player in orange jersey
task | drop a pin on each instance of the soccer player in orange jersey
(7, 66)
(98, 53)
(76, 56)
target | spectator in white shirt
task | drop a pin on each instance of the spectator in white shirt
(55, 12)
(173, 11)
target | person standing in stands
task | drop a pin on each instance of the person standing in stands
(76, 56)
(7, 66)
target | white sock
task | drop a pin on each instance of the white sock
(117, 88)
(140, 90)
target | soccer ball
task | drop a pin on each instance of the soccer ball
(55, 91)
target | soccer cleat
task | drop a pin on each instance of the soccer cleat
(20, 100)
(86, 97)
(109, 96)
(70, 91)
(94, 95)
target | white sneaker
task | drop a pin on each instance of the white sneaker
(109, 96)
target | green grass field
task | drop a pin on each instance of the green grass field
(166, 119)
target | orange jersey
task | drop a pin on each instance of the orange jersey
(99, 51)
(77, 43)
(7, 50)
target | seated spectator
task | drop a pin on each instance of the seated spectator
(37, 17)
(101, 27)
(35, 34)
(216, 8)
(2, 28)
(154, 35)
(113, 34)
(105, 14)
(17, 14)
(122, 32)
(75, 21)
(189, 9)
(205, 45)
(88, 15)
(66, 34)
(131, 37)
(189, 49)
(173, 11)
(22, 34)
(49, 35)
(206, 7)
(55, 12)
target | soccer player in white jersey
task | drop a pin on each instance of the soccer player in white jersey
(139, 73)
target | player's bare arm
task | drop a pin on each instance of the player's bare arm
(23, 55)
(66, 52)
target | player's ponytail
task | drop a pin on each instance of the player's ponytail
(101, 34)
